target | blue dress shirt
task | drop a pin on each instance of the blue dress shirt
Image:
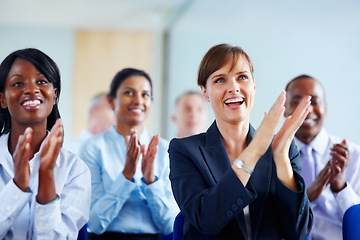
(120, 205)
(21, 217)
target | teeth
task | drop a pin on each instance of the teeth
(309, 120)
(32, 103)
(234, 100)
(136, 110)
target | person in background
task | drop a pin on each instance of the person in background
(330, 165)
(100, 117)
(131, 192)
(232, 182)
(190, 114)
(44, 189)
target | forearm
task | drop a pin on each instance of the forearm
(161, 204)
(106, 204)
(13, 200)
(46, 189)
(294, 209)
(285, 172)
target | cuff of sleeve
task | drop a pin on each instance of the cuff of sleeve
(14, 197)
(47, 215)
(122, 187)
(154, 189)
(347, 198)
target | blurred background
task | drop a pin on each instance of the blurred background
(91, 40)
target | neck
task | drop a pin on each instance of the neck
(305, 139)
(124, 130)
(234, 137)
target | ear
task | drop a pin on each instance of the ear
(55, 93)
(205, 93)
(111, 102)
(3, 100)
(173, 118)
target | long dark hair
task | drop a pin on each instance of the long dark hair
(46, 66)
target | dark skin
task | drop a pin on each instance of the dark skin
(30, 97)
(333, 171)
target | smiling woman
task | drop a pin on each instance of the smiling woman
(42, 186)
(232, 182)
(131, 193)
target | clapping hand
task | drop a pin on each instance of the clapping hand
(21, 160)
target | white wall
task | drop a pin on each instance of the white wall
(283, 39)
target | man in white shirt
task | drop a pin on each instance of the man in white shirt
(190, 115)
(335, 162)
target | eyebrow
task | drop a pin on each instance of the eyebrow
(222, 74)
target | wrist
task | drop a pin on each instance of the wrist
(149, 180)
(241, 165)
(335, 188)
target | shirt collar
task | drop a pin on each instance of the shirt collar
(5, 157)
(319, 143)
(144, 138)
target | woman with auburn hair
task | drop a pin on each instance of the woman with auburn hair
(232, 182)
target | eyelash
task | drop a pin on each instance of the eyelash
(131, 93)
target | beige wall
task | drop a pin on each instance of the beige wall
(99, 56)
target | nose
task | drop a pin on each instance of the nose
(311, 108)
(31, 88)
(137, 98)
(234, 87)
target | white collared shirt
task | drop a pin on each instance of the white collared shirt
(21, 217)
(330, 207)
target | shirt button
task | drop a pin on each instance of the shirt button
(8, 208)
(40, 224)
(41, 210)
(16, 197)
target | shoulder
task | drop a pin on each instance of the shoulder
(192, 142)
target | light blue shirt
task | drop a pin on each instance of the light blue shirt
(330, 207)
(21, 217)
(120, 205)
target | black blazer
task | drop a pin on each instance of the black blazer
(212, 198)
